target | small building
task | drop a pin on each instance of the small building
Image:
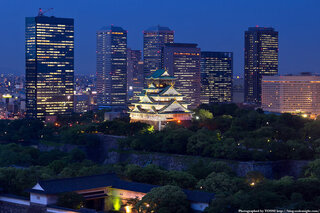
(105, 192)
(160, 102)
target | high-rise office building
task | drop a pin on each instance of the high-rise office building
(216, 77)
(183, 62)
(154, 39)
(299, 94)
(238, 90)
(134, 74)
(112, 68)
(261, 58)
(49, 66)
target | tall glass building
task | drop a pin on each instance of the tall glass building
(183, 62)
(216, 77)
(154, 39)
(134, 74)
(260, 58)
(112, 68)
(49, 66)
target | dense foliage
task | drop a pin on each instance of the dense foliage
(165, 199)
(218, 131)
(21, 167)
(71, 200)
(232, 192)
(228, 132)
(79, 129)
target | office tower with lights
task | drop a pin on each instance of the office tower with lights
(299, 94)
(238, 90)
(261, 58)
(154, 39)
(49, 66)
(112, 68)
(216, 77)
(134, 74)
(183, 62)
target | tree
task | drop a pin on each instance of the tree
(219, 183)
(175, 140)
(165, 199)
(199, 143)
(70, 200)
(182, 179)
(313, 169)
(204, 114)
(253, 178)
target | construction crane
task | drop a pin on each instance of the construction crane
(41, 12)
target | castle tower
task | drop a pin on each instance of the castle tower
(160, 102)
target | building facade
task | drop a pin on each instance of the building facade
(49, 66)
(261, 58)
(216, 77)
(183, 62)
(134, 74)
(112, 68)
(238, 90)
(154, 39)
(291, 94)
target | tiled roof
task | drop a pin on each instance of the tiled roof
(98, 181)
(159, 74)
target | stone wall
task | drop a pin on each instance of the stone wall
(108, 152)
(270, 169)
(9, 207)
(6, 207)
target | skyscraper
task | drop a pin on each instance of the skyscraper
(112, 68)
(49, 66)
(134, 74)
(183, 62)
(238, 89)
(261, 58)
(154, 39)
(216, 77)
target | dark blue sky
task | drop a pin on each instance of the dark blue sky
(216, 25)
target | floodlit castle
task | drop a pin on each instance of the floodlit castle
(160, 102)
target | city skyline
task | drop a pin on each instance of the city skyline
(293, 21)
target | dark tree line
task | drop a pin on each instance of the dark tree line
(228, 132)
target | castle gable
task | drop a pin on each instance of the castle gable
(146, 99)
(174, 106)
(170, 91)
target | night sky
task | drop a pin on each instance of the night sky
(214, 25)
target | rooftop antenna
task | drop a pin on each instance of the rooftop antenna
(42, 12)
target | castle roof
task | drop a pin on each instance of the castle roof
(161, 74)
(146, 99)
(174, 106)
(169, 90)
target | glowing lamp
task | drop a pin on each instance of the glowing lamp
(128, 209)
